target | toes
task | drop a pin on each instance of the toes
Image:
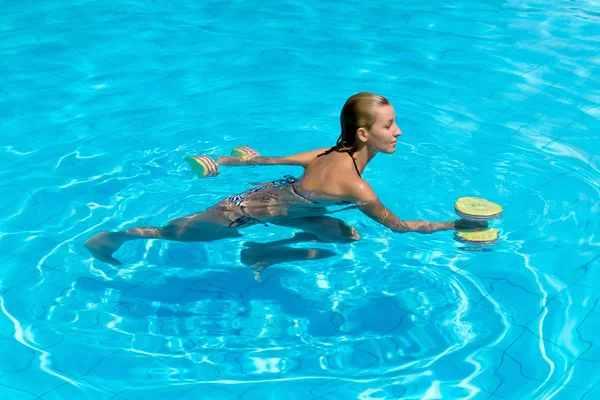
(354, 235)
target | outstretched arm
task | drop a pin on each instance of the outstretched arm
(369, 203)
(301, 159)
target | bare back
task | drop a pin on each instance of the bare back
(327, 181)
(330, 176)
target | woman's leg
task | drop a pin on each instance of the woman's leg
(201, 227)
(260, 256)
(326, 229)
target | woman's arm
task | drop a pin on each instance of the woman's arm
(302, 159)
(369, 203)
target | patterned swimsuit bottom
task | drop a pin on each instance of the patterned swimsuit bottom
(247, 220)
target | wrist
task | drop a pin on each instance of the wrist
(255, 160)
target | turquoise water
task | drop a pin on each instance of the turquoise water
(101, 102)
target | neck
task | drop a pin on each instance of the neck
(362, 155)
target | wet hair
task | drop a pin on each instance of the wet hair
(358, 112)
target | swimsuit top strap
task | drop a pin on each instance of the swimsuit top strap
(346, 151)
(327, 151)
(354, 161)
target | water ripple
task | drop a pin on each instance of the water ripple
(103, 102)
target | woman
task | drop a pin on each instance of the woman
(332, 177)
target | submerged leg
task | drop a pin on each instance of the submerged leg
(102, 245)
(326, 229)
(260, 256)
(200, 227)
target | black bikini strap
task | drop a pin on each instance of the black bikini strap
(354, 161)
(346, 151)
(328, 151)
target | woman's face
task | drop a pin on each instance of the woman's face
(384, 133)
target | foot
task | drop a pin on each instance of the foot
(258, 269)
(102, 245)
(353, 235)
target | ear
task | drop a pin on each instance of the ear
(362, 134)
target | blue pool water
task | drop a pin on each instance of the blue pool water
(101, 101)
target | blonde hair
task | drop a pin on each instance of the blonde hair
(358, 112)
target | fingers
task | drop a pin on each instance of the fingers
(466, 224)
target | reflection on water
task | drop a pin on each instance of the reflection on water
(495, 100)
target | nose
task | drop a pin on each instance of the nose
(398, 132)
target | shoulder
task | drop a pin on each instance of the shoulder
(306, 158)
(359, 190)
